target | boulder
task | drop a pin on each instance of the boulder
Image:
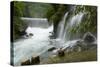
(89, 38)
(35, 60)
(61, 52)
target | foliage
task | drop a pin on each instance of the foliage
(89, 21)
(27, 9)
(18, 25)
(54, 13)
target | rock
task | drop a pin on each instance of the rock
(26, 62)
(22, 33)
(89, 38)
(27, 36)
(51, 37)
(92, 46)
(51, 49)
(35, 60)
(30, 34)
(61, 52)
(51, 33)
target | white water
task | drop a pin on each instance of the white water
(73, 22)
(63, 30)
(40, 42)
(36, 22)
(32, 46)
(61, 26)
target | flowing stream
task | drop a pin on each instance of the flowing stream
(34, 45)
(40, 41)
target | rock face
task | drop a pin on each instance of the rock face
(27, 62)
(35, 60)
(89, 38)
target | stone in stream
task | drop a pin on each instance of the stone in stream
(27, 36)
(51, 36)
(30, 34)
(35, 60)
(89, 38)
(51, 49)
(26, 62)
(22, 32)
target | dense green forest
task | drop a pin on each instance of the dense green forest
(54, 13)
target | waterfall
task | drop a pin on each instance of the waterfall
(36, 22)
(61, 26)
(63, 30)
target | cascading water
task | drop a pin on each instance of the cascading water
(63, 39)
(36, 22)
(73, 22)
(61, 26)
(34, 45)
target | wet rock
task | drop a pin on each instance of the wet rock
(22, 33)
(30, 34)
(27, 36)
(89, 38)
(92, 46)
(61, 52)
(35, 60)
(51, 37)
(25, 62)
(51, 33)
(51, 49)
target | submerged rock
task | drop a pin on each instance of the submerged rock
(89, 38)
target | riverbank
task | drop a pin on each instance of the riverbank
(87, 55)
